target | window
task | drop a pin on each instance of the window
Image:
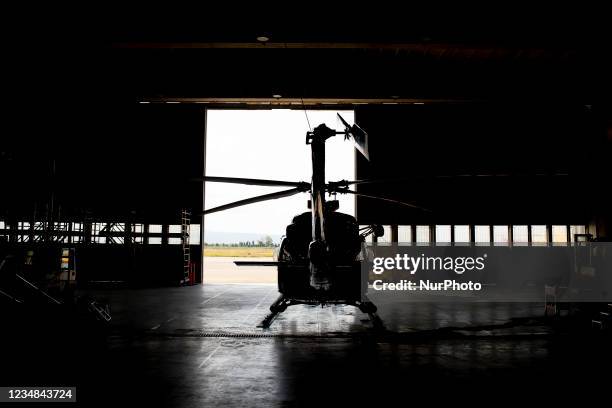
(520, 234)
(154, 240)
(96, 228)
(117, 227)
(500, 234)
(155, 229)
(23, 225)
(77, 227)
(404, 233)
(175, 241)
(443, 233)
(194, 234)
(387, 236)
(576, 229)
(482, 233)
(462, 233)
(422, 233)
(174, 229)
(60, 226)
(137, 228)
(559, 233)
(368, 239)
(539, 234)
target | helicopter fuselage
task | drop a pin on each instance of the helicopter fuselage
(342, 259)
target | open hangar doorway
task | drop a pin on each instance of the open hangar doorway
(266, 144)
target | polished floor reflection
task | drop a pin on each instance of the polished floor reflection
(199, 347)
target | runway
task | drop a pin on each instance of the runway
(222, 270)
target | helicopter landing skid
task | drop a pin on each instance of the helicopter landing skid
(279, 306)
(370, 309)
(282, 303)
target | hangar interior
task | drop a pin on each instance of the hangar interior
(505, 134)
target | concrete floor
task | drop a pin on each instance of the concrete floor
(221, 269)
(199, 347)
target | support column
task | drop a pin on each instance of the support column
(200, 252)
(394, 234)
(510, 235)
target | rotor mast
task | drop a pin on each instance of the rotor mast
(317, 250)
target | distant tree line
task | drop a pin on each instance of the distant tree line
(265, 241)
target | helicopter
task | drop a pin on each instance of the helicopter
(319, 258)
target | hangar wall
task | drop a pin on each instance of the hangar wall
(110, 160)
(566, 145)
(124, 169)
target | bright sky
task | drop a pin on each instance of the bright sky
(269, 144)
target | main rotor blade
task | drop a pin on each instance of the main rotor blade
(257, 199)
(358, 136)
(440, 176)
(341, 191)
(255, 182)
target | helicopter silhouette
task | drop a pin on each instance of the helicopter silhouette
(319, 258)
